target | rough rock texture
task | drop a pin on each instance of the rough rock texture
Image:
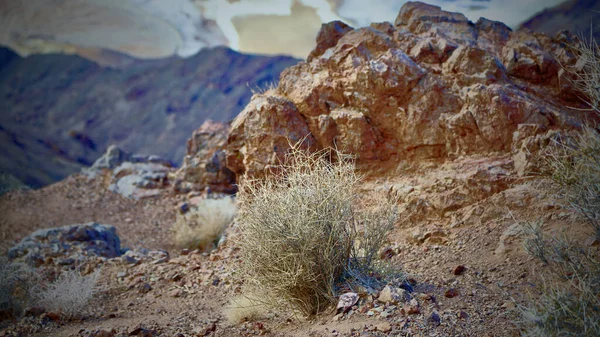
(133, 176)
(59, 113)
(432, 86)
(68, 243)
(204, 163)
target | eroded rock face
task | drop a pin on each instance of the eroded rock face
(432, 86)
(204, 164)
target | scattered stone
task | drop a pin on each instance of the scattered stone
(144, 288)
(451, 292)
(184, 208)
(387, 253)
(509, 305)
(142, 332)
(212, 327)
(383, 327)
(434, 319)
(103, 333)
(175, 292)
(459, 270)
(391, 295)
(53, 316)
(463, 315)
(35, 311)
(412, 308)
(346, 301)
(513, 232)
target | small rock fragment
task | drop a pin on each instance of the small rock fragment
(451, 292)
(346, 301)
(459, 270)
(391, 295)
(434, 319)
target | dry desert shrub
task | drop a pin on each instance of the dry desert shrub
(244, 308)
(587, 71)
(575, 165)
(302, 234)
(203, 225)
(568, 302)
(69, 294)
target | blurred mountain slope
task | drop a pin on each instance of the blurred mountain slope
(577, 16)
(60, 112)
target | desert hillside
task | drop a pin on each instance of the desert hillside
(428, 176)
(61, 112)
(576, 16)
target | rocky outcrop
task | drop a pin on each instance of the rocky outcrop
(67, 244)
(204, 166)
(61, 112)
(433, 86)
(131, 175)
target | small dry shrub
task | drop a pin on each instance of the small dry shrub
(568, 303)
(203, 225)
(587, 71)
(244, 308)
(302, 233)
(575, 165)
(69, 294)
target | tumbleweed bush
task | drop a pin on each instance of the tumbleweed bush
(302, 233)
(69, 294)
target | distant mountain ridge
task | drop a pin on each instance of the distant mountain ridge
(577, 16)
(58, 112)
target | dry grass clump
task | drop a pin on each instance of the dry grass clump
(575, 166)
(302, 233)
(244, 308)
(568, 304)
(587, 71)
(203, 225)
(69, 294)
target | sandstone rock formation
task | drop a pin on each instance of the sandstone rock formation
(432, 86)
(204, 163)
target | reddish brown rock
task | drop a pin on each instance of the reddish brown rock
(432, 86)
(204, 164)
(328, 37)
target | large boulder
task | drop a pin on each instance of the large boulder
(432, 86)
(67, 245)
